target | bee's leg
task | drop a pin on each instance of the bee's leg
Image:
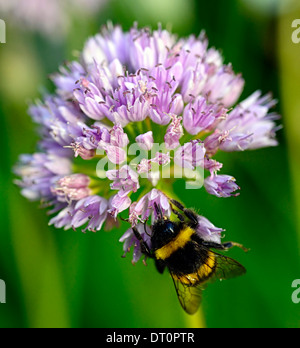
(214, 245)
(229, 245)
(158, 211)
(144, 246)
(224, 246)
(187, 212)
(180, 217)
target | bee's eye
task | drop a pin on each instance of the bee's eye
(169, 228)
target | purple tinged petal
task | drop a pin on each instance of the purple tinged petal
(194, 81)
(145, 206)
(133, 216)
(86, 144)
(189, 51)
(75, 181)
(236, 142)
(71, 188)
(207, 231)
(125, 180)
(63, 218)
(190, 155)
(114, 149)
(39, 172)
(81, 151)
(158, 117)
(144, 166)
(58, 165)
(221, 186)
(164, 101)
(149, 50)
(224, 87)
(93, 210)
(214, 141)
(115, 154)
(92, 109)
(249, 124)
(145, 141)
(110, 44)
(61, 122)
(161, 158)
(129, 240)
(200, 115)
(66, 194)
(65, 80)
(119, 204)
(174, 133)
(212, 165)
(118, 137)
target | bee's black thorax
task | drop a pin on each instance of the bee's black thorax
(163, 231)
(177, 246)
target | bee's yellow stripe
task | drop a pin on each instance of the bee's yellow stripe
(179, 242)
(202, 274)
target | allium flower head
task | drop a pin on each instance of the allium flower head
(140, 110)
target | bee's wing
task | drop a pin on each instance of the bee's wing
(226, 267)
(188, 296)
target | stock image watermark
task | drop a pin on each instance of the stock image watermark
(146, 336)
(296, 32)
(2, 31)
(296, 292)
(2, 291)
(188, 163)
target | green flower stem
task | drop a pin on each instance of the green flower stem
(289, 55)
(195, 321)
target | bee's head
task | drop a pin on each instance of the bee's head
(163, 230)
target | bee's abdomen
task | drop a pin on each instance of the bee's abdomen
(192, 264)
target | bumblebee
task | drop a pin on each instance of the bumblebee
(189, 259)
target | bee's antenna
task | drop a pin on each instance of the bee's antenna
(158, 211)
(126, 220)
(145, 228)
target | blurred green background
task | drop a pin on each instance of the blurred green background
(59, 278)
